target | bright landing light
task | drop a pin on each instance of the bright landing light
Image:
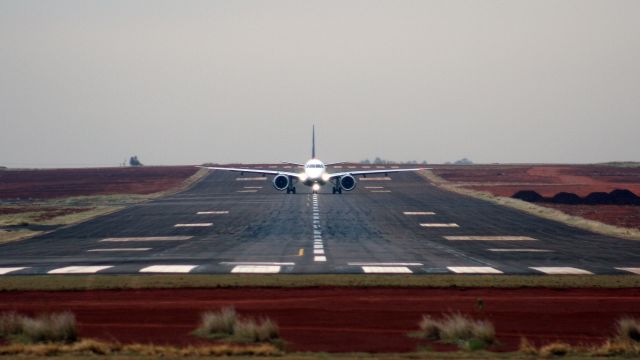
(315, 187)
(303, 177)
(326, 177)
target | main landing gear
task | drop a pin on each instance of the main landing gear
(337, 190)
(291, 190)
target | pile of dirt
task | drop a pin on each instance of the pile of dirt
(615, 197)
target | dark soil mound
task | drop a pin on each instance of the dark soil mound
(598, 198)
(567, 198)
(528, 195)
(624, 197)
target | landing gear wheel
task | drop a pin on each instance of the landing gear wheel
(339, 190)
(293, 190)
(288, 191)
(334, 190)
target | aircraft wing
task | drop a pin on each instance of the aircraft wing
(373, 172)
(252, 171)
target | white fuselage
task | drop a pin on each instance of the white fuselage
(315, 172)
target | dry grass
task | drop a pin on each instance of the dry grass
(459, 329)
(557, 348)
(540, 211)
(44, 328)
(94, 347)
(226, 325)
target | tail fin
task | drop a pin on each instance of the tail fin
(313, 143)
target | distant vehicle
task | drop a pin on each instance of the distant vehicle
(315, 174)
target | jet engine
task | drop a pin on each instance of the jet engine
(348, 182)
(281, 182)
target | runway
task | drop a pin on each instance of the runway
(230, 223)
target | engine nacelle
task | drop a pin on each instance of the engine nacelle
(281, 182)
(348, 182)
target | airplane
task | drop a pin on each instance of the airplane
(315, 174)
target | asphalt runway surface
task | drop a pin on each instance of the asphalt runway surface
(233, 223)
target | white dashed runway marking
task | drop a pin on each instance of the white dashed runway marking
(385, 264)
(489, 238)
(212, 212)
(319, 258)
(193, 225)
(380, 191)
(247, 191)
(4, 271)
(168, 269)
(318, 252)
(386, 270)
(374, 187)
(253, 187)
(440, 225)
(562, 271)
(119, 249)
(631, 270)
(257, 178)
(386, 178)
(79, 270)
(414, 213)
(473, 270)
(148, 238)
(521, 250)
(255, 269)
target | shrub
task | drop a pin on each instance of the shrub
(250, 330)
(526, 347)
(55, 327)
(628, 329)
(220, 322)
(459, 329)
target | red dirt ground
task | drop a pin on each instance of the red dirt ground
(548, 180)
(56, 183)
(340, 319)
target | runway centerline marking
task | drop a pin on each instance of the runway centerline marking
(474, 270)
(168, 269)
(193, 225)
(147, 238)
(255, 269)
(489, 238)
(414, 213)
(212, 212)
(79, 270)
(4, 271)
(440, 225)
(119, 249)
(631, 270)
(521, 250)
(319, 258)
(318, 252)
(550, 270)
(386, 270)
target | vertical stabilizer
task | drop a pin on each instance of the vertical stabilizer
(313, 142)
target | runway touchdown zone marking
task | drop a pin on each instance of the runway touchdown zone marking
(489, 238)
(255, 269)
(79, 270)
(119, 249)
(386, 270)
(521, 250)
(4, 271)
(415, 213)
(212, 212)
(473, 270)
(260, 178)
(168, 269)
(148, 238)
(562, 271)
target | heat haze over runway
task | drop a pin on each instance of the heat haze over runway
(235, 223)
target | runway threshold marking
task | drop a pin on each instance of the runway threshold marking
(474, 270)
(521, 250)
(257, 178)
(440, 225)
(193, 225)
(415, 213)
(562, 270)
(147, 238)
(255, 269)
(79, 270)
(489, 238)
(386, 270)
(212, 212)
(631, 270)
(168, 269)
(4, 271)
(119, 249)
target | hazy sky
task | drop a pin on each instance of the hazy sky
(184, 82)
